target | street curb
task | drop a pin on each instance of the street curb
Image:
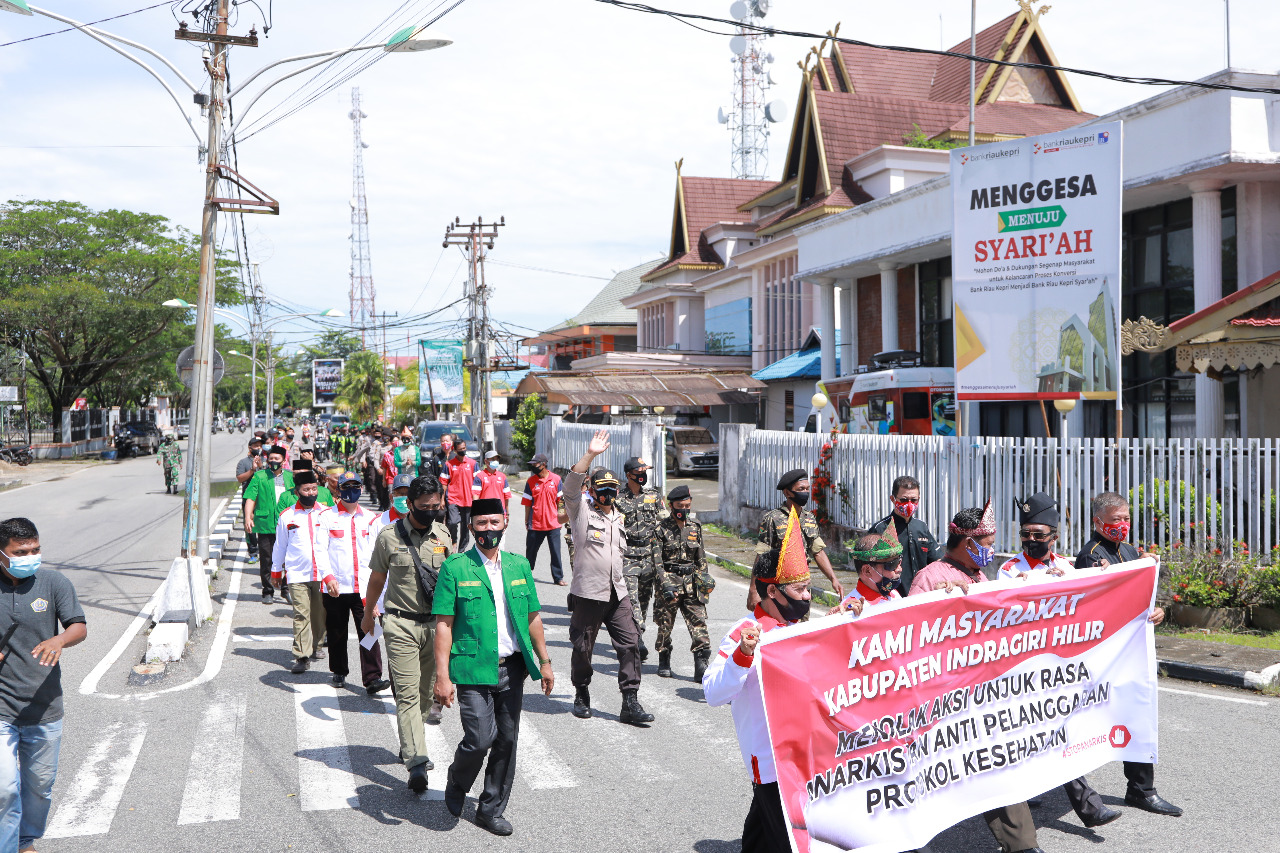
(1203, 673)
(222, 530)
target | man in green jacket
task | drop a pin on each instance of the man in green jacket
(489, 639)
(267, 493)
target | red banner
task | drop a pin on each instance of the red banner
(889, 728)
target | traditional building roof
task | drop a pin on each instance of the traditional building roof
(701, 203)
(606, 308)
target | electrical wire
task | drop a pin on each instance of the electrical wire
(687, 17)
(555, 272)
(90, 24)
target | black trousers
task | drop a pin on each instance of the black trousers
(266, 545)
(1085, 800)
(765, 830)
(533, 540)
(490, 717)
(384, 496)
(585, 619)
(459, 526)
(335, 625)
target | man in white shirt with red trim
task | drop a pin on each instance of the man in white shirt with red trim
(878, 559)
(351, 536)
(732, 679)
(1038, 528)
(301, 558)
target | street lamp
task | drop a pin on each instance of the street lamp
(1064, 408)
(196, 515)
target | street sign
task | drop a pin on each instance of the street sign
(187, 363)
(396, 390)
(8, 393)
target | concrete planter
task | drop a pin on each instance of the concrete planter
(1221, 618)
(1264, 618)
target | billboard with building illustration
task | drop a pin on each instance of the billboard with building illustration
(440, 373)
(1036, 266)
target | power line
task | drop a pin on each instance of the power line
(688, 17)
(90, 24)
(555, 272)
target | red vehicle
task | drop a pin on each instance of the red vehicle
(895, 395)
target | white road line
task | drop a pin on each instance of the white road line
(538, 763)
(213, 779)
(90, 683)
(325, 780)
(284, 639)
(1235, 699)
(98, 787)
(437, 750)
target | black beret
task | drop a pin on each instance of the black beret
(790, 478)
(679, 493)
(486, 506)
(1038, 509)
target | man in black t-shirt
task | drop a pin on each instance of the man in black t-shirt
(245, 468)
(33, 602)
(1108, 547)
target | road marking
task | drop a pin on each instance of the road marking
(437, 750)
(325, 780)
(1235, 699)
(213, 779)
(285, 639)
(90, 684)
(98, 787)
(538, 763)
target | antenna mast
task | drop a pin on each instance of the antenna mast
(749, 118)
(363, 309)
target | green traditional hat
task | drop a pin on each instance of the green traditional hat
(886, 550)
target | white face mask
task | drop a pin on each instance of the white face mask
(494, 465)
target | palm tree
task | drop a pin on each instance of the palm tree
(363, 389)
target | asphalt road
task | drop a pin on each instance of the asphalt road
(231, 752)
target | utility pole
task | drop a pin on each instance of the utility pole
(386, 407)
(476, 240)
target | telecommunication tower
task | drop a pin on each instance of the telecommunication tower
(751, 114)
(362, 295)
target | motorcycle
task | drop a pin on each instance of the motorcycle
(243, 424)
(217, 425)
(16, 454)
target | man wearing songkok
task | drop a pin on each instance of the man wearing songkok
(1038, 529)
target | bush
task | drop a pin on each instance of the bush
(1203, 575)
(1265, 586)
(524, 432)
(1154, 502)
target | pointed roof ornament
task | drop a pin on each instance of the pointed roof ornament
(1034, 15)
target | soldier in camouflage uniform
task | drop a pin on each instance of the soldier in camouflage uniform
(684, 583)
(641, 510)
(794, 486)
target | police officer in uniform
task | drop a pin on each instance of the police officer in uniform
(641, 511)
(409, 628)
(794, 486)
(683, 582)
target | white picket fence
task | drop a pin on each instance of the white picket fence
(1221, 488)
(565, 443)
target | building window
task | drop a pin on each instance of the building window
(729, 328)
(1230, 275)
(789, 410)
(937, 346)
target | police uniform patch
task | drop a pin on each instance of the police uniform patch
(597, 535)
(40, 605)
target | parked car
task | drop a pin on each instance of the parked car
(136, 437)
(182, 426)
(691, 450)
(339, 420)
(429, 433)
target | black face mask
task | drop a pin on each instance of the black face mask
(487, 539)
(606, 497)
(274, 466)
(1036, 550)
(800, 498)
(793, 610)
(679, 514)
(307, 501)
(537, 470)
(885, 585)
(425, 517)
(641, 477)
(255, 451)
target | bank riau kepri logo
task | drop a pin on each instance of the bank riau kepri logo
(1031, 218)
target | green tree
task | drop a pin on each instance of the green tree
(363, 390)
(917, 139)
(524, 432)
(81, 293)
(406, 406)
(334, 343)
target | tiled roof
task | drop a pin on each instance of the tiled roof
(890, 72)
(951, 77)
(1018, 119)
(606, 308)
(708, 202)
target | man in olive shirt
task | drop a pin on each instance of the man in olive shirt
(408, 625)
(489, 639)
(598, 594)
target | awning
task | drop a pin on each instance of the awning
(646, 389)
(1224, 356)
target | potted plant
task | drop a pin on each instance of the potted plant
(1210, 588)
(1265, 612)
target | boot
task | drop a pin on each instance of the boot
(644, 650)
(582, 704)
(631, 711)
(664, 665)
(700, 664)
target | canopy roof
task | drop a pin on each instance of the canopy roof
(643, 388)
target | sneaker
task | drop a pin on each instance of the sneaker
(268, 597)
(434, 715)
(299, 666)
(337, 680)
(319, 653)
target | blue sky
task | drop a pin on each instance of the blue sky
(564, 116)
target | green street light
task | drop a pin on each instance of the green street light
(414, 38)
(18, 6)
(331, 312)
(168, 303)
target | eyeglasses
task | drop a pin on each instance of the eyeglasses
(1036, 537)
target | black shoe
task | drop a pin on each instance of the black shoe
(497, 825)
(582, 704)
(454, 797)
(664, 665)
(337, 680)
(644, 650)
(299, 666)
(1102, 818)
(418, 778)
(632, 713)
(377, 687)
(1152, 803)
(700, 665)
(268, 597)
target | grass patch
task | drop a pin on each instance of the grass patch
(1253, 640)
(720, 530)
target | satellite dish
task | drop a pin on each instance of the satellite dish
(775, 111)
(353, 202)
(738, 10)
(768, 57)
(363, 144)
(769, 78)
(721, 117)
(761, 7)
(738, 45)
(363, 114)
